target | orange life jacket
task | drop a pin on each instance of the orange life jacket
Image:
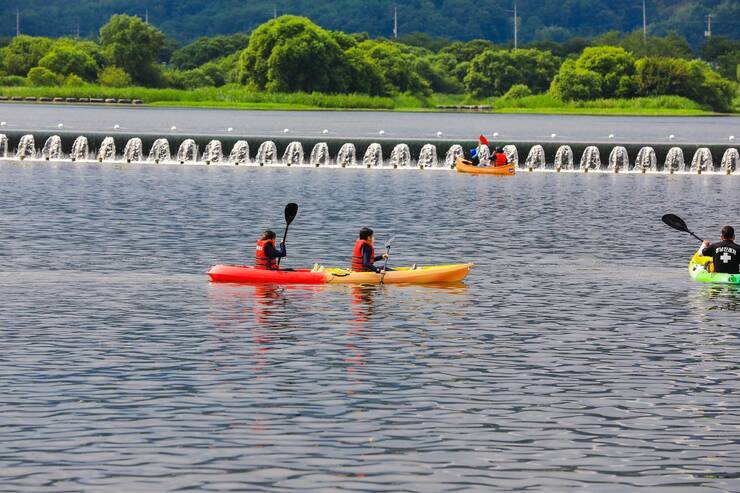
(261, 261)
(501, 159)
(357, 255)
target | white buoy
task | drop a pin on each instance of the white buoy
(173, 128)
(325, 131)
(495, 134)
(439, 134)
(611, 136)
(230, 129)
(286, 130)
(732, 137)
(671, 137)
(552, 136)
(382, 132)
(116, 126)
(2, 124)
(61, 125)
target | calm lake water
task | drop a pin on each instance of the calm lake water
(366, 124)
(578, 355)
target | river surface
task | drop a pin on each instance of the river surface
(368, 124)
(578, 355)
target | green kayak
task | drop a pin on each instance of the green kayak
(700, 269)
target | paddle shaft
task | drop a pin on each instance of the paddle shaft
(285, 237)
(385, 262)
(291, 211)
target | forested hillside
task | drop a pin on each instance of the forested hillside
(555, 20)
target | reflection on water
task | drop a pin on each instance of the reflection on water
(577, 355)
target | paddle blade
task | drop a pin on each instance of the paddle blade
(291, 211)
(388, 243)
(675, 222)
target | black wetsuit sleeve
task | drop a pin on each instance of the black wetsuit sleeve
(367, 260)
(710, 250)
(272, 252)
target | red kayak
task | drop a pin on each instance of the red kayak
(243, 273)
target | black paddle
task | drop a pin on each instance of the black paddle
(676, 222)
(291, 211)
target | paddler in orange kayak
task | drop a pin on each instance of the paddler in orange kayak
(266, 255)
(363, 255)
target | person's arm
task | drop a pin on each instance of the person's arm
(367, 260)
(707, 250)
(272, 252)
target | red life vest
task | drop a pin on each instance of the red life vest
(357, 255)
(261, 261)
(501, 159)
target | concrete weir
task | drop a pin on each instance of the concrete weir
(385, 149)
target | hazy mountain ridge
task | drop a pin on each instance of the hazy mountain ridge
(458, 19)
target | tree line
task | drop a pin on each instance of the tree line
(292, 54)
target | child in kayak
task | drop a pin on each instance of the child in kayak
(363, 255)
(266, 254)
(499, 157)
(725, 254)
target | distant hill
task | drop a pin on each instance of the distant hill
(458, 19)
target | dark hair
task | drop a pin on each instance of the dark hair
(365, 233)
(499, 149)
(268, 235)
(728, 232)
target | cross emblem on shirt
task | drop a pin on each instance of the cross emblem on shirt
(725, 257)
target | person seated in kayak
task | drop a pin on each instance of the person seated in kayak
(266, 254)
(499, 157)
(363, 255)
(725, 253)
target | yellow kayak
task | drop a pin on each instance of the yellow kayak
(465, 166)
(419, 275)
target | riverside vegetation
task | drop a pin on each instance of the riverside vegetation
(290, 62)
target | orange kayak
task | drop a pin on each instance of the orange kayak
(465, 166)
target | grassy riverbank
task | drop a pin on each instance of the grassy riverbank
(237, 97)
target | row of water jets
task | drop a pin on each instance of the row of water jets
(267, 155)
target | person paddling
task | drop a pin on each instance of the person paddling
(725, 253)
(500, 158)
(266, 255)
(363, 255)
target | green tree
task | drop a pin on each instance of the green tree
(396, 67)
(40, 76)
(204, 50)
(611, 63)
(134, 46)
(113, 76)
(65, 60)
(23, 53)
(573, 83)
(293, 54)
(724, 54)
(492, 73)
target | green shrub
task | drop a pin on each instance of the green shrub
(12, 81)
(518, 91)
(42, 77)
(114, 77)
(74, 80)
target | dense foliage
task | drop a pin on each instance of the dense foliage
(555, 20)
(292, 54)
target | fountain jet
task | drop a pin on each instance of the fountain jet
(564, 158)
(52, 149)
(646, 160)
(401, 156)
(80, 150)
(133, 151)
(347, 156)
(373, 156)
(619, 160)
(730, 159)
(160, 151)
(239, 153)
(293, 155)
(320, 155)
(702, 161)
(26, 147)
(187, 152)
(453, 153)
(428, 156)
(535, 158)
(267, 154)
(591, 159)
